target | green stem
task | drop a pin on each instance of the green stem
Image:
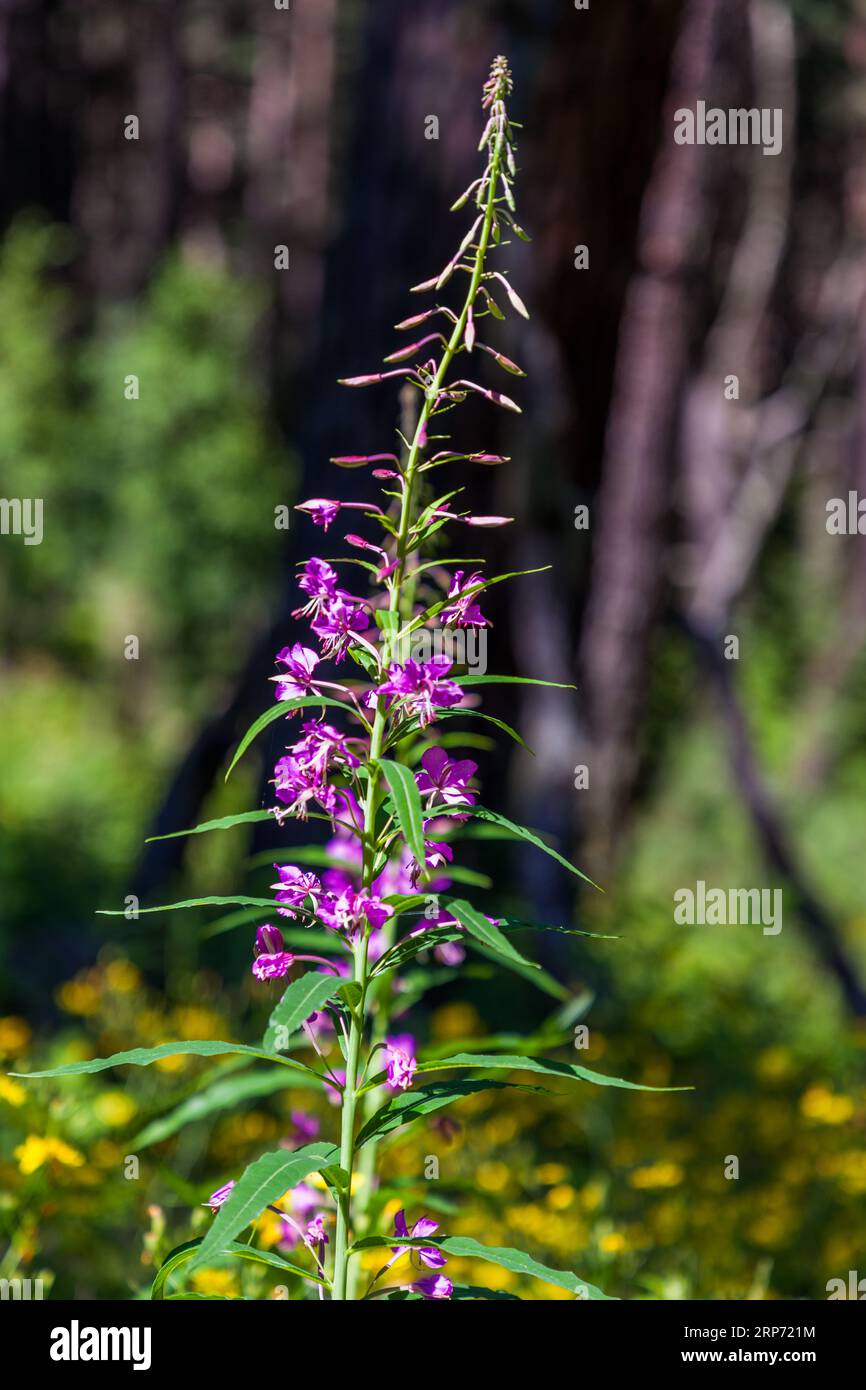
(342, 1288)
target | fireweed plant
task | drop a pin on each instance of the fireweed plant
(398, 804)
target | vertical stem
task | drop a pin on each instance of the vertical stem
(341, 1286)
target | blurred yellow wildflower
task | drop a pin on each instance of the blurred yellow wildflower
(35, 1151)
(11, 1092)
(14, 1035)
(821, 1104)
(114, 1108)
(657, 1175)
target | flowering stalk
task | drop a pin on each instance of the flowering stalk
(432, 392)
(397, 804)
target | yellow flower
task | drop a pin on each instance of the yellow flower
(561, 1196)
(14, 1036)
(122, 976)
(821, 1104)
(591, 1195)
(35, 1151)
(614, 1243)
(10, 1091)
(79, 996)
(115, 1108)
(492, 1177)
(215, 1281)
(550, 1173)
(195, 1022)
(657, 1175)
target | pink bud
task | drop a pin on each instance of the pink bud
(357, 460)
(402, 353)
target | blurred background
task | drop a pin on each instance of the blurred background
(705, 518)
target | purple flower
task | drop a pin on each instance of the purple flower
(402, 1063)
(222, 1194)
(294, 888)
(296, 784)
(272, 961)
(431, 1255)
(318, 580)
(436, 853)
(336, 624)
(316, 1233)
(443, 781)
(423, 687)
(464, 611)
(321, 509)
(433, 1286)
(300, 662)
(347, 912)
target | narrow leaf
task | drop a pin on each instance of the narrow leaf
(485, 931)
(302, 998)
(263, 1182)
(278, 711)
(569, 1070)
(185, 1252)
(407, 805)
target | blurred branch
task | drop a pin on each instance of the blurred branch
(627, 560)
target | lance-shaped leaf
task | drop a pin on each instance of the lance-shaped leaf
(407, 805)
(570, 1071)
(465, 1248)
(521, 832)
(145, 1056)
(473, 679)
(278, 711)
(222, 1095)
(263, 1182)
(412, 1105)
(485, 931)
(237, 901)
(302, 998)
(183, 1253)
(221, 823)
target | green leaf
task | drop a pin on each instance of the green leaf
(237, 901)
(185, 1252)
(228, 1091)
(282, 708)
(521, 833)
(474, 679)
(263, 1182)
(302, 998)
(407, 805)
(144, 1056)
(569, 1070)
(484, 931)
(464, 1247)
(499, 724)
(402, 1109)
(221, 823)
